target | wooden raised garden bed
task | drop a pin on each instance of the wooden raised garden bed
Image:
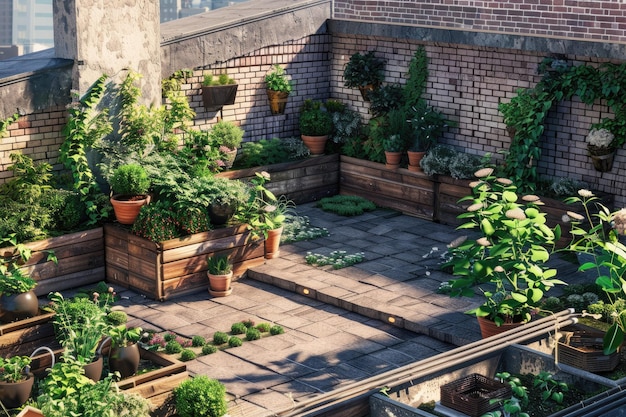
(178, 266)
(22, 337)
(80, 258)
(301, 181)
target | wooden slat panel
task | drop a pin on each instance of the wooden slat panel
(66, 266)
(69, 239)
(205, 247)
(115, 256)
(117, 275)
(73, 280)
(203, 237)
(90, 246)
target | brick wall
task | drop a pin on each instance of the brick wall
(467, 84)
(581, 19)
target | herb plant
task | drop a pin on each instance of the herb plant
(14, 368)
(200, 397)
(277, 80)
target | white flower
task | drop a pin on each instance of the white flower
(585, 193)
(601, 138)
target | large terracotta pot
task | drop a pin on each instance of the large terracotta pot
(272, 243)
(14, 394)
(488, 327)
(93, 370)
(125, 360)
(18, 306)
(414, 160)
(127, 208)
(219, 285)
(278, 101)
(316, 144)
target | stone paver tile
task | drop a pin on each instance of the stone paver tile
(318, 329)
(293, 322)
(241, 408)
(196, 329)
(416, 351)
(235, 301)
(271, 400)
(296, 390)
(346, 372)
(393, 356)
(321, 380)
(434, 344)
(371, 365)
(166, 321)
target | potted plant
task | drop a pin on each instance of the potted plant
(510, 256)
(278, 88)
(315, 126)
(393, 145)
(365, 72)
(201, 396)
(427, 126)
(80, 325)
(129, 184)
(220, 273)
(17, 298)
(227, 137)
(124, 354)
(16, 381)
(601, 146)
(218, 92)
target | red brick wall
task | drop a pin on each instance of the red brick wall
(467, 84)
(591, 19)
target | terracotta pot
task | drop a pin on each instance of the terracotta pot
(29, 411)
(488, 327)
(18, 306)
(316, 144)
(278, 101)
(219, 285)
(14, 394)
(272, 243)
(366, 90)
(125, 360)
(214, 97)
(414, 160)
(127, 208)
(93, 370)
(392, 159)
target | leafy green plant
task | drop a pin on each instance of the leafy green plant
(253, 334)
(445, 160)
(29, 180)
(219, 264)
(315, 120)
(116, 317)
(14, 368)
(200, 397)
(511, 253)
(298, 228)
(238, 328)
(337, 258)
(156, 222)
(198, 341)
(122, 335)
(174, 81)
(208, 349)
(277, 80)
(263, 327)
(226, 133)
(187, 355)
(347, 124)
(346, 205)
(393, 143)
(219, 338)
(173, 347)
(12, 279)
(512, 407)
(385, 99)
(364, 69)
(276, 330)
(130, 179)
(222, 79)
(551, 388)
(234, 341)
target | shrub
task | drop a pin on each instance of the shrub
(173, 347)
(552, 304)
(248, 323)
(438, 160)
(187, 355)
(117, 317)
(276, 330)
(346, 205)
(263, 327)
(219, 338)
(169, 337)
(234, 341)
(197, 341)
(208, 349)
(253, 334)
(130, 179)
(238, 328)
(200, 397)
(577, 302)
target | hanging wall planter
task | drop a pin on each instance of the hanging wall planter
(214, 97)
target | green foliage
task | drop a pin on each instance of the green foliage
(173, 347)
(200, 397)
(512, 406)
(197, 341)
(346, 205)
(511, 254)
(122, 336)
(253, 334)
(4, 124)
(168, 337)
(85, 126)
(277, 80)
(238, 328)
(262, 152)
(417, 77)
(445, 160)
(263, 327)
(12, 279)
(248, 323)
(226, 133)
(337, 259)
(29, 180)
(116, 318)
(156, 222)
(187, 355)
(219, 264)
(385, 99)
(315, 120)
(364, 69)
(551, 388)
(234, 341)
(222, 79)
(276, 330)
(174, 81)
(130, 179)
(347, 124)
(427, 125)
(298, 228)
(219, 338)
(208, 349)
(14, 368)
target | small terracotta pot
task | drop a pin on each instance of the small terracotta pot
(219, 285)
(414, 160)
(127, 208)
(316, 144)
(393, 159)
(489, 328)
(272, 243)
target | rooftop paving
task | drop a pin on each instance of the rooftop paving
(341, 326)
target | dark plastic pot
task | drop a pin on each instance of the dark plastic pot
(18, 306)
(125, 360)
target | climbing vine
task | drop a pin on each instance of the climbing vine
(525, 113)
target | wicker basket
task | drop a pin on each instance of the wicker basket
(583, 349)
(472, 394)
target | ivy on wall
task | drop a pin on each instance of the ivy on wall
(524, 115)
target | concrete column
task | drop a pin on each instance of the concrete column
(109, 37)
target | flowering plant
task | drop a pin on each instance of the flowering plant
(600, 141)
(510, 255)
(597, 234)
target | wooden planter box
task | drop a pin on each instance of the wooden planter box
(409, 192)
(301, 181)
(22, 337)
(80, 258)
(178, 266)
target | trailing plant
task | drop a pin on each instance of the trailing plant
(276, 80)
(346, 205)
(200, 397)
(86, 126)
(511, 254)
(337, 259)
